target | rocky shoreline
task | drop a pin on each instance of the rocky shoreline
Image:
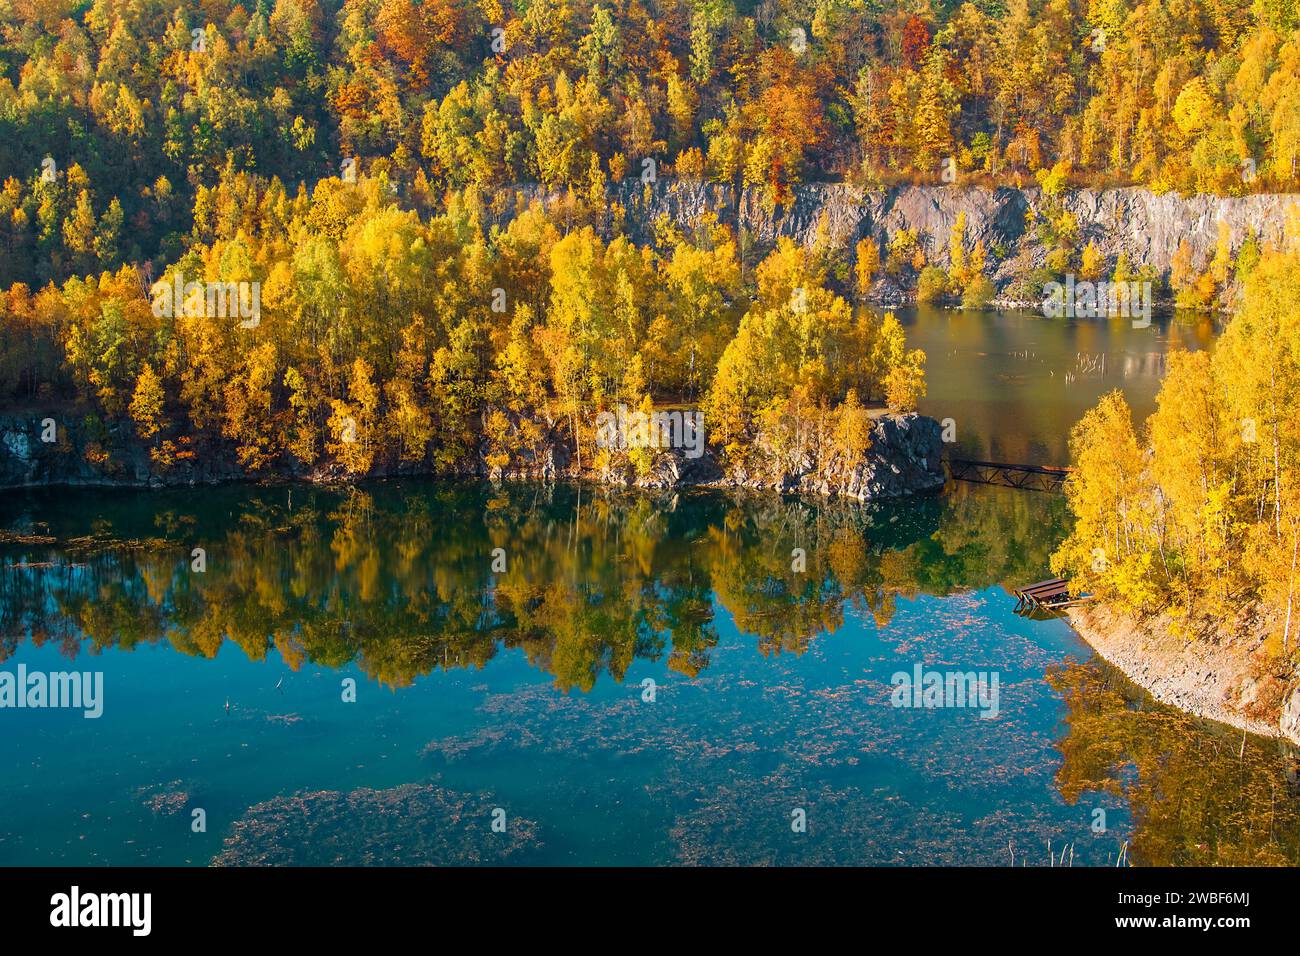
(1226, 679)
(1223, 677)
(904, 456)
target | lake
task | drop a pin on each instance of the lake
(433, 672)
(1014, 383)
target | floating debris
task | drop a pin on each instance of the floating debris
(410, 825)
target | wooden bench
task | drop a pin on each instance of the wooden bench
(1050, 593)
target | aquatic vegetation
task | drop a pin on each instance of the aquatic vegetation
(410, 825)
(524, 687)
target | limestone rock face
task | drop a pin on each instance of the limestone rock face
(905, 457)
(675, 470)
(26, 460)
(1144, 227)
(1148, 228)
(103, 456)
(1289, 724)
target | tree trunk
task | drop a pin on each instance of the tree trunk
(1290, 587)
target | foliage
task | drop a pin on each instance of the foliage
(144, 110)
(1200, 512)
(387, 340)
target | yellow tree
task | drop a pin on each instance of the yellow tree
(409, 421)
(1109, 492)
(866, 264)
(351, 423)
(1189, 440)
(248, 419)
(702, 282)
(147, 403)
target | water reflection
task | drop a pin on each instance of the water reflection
(1200, 794)
(401, 578)
(1014, 383)
(775, 624)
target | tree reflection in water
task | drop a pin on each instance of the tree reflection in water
(397, 578)
(1200, 794)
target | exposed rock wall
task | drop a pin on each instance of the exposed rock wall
(76, 457)
(904, 457)
(1145, 227)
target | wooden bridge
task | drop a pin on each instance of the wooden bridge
(1029, 477)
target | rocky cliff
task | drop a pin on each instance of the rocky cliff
(904, 456)
(1145, 227)
(62, 448)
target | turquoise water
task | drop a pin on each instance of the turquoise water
(520, 690)
(478, 690)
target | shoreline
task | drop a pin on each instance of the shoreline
(903, 455)
(1223, 680)
(1220, 678)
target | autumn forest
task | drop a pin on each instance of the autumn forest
(310, 315)
(413, 212)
